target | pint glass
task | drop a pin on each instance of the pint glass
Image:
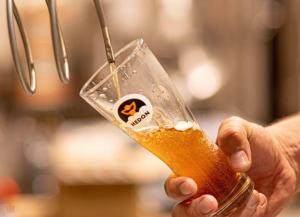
(140, 98)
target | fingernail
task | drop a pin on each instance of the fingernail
(253, 202)
(186, 187)
(239, 160)
(262, 199)
(204, 206)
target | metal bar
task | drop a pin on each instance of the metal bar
(107, 42)
(60, 54)
(12, 11)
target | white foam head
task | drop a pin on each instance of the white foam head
(183, 125)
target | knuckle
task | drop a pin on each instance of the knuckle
(232, 119)
(231, 133)
(235, 118)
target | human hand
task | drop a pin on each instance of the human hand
(254, 150)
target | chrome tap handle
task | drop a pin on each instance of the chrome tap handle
(12, 12)
(60, 54)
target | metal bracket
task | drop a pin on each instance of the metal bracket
(57, 41)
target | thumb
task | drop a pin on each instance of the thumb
(233, 141)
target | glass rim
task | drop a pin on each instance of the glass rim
(138, 46)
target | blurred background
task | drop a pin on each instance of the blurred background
(60, 158)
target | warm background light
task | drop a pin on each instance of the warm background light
(225, 57)
(204, 81)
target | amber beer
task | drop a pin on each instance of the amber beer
(189, 153)
(139, 97)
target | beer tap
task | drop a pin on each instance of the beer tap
(60, 54)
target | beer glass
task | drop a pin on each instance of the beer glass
(140, 98)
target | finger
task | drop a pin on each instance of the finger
(232, 139)
(262, 206)
(200, 207)
(180, 211)
(203, 206)
(180, 188)
(250, 209)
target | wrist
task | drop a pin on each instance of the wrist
(289, 146)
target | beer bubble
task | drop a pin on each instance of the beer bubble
(103, 96)
(94, 96)
(160, 91)
(125, 76)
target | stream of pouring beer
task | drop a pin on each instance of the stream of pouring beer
(108, 47)
(114, 73)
